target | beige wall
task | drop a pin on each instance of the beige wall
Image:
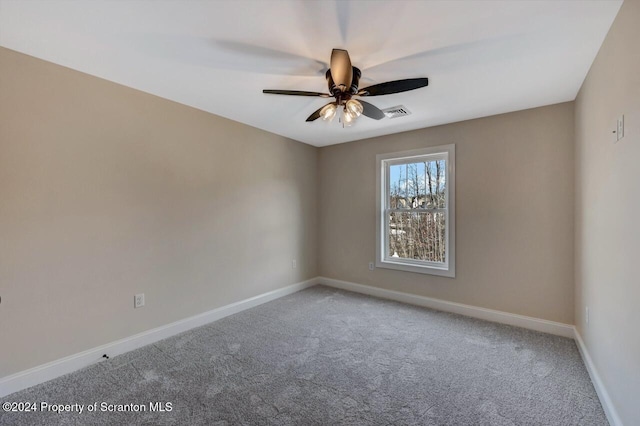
(514, 218)
(608, 213)
(106, 192)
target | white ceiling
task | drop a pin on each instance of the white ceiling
(482, 57)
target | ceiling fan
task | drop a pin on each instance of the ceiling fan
(343, 80)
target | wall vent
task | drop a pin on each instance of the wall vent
(396, 111)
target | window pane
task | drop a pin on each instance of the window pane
(417, 185)
(417, 236)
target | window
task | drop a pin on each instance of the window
(416, 211)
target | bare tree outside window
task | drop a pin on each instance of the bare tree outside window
(417, 211)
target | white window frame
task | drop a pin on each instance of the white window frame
(383, 161)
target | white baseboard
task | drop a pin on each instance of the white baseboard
(531, 323)
(605, 399)
(57, 368)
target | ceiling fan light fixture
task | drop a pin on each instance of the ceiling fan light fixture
(348, 118)
(328, 112)
(343, 81)
(354, 107)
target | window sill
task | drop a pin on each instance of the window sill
(418, 269)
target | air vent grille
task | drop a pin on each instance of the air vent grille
(396, 111)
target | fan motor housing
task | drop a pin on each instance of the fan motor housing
(335, 90)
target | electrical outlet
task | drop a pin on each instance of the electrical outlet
(294, 264)
(138, 300)
(371, 266)
(586, 314)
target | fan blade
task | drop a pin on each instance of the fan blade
(341, 70)
(396, 86)
(316, 113)
(371, 111)
(296, 93)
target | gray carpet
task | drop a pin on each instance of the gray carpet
(326, 357)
